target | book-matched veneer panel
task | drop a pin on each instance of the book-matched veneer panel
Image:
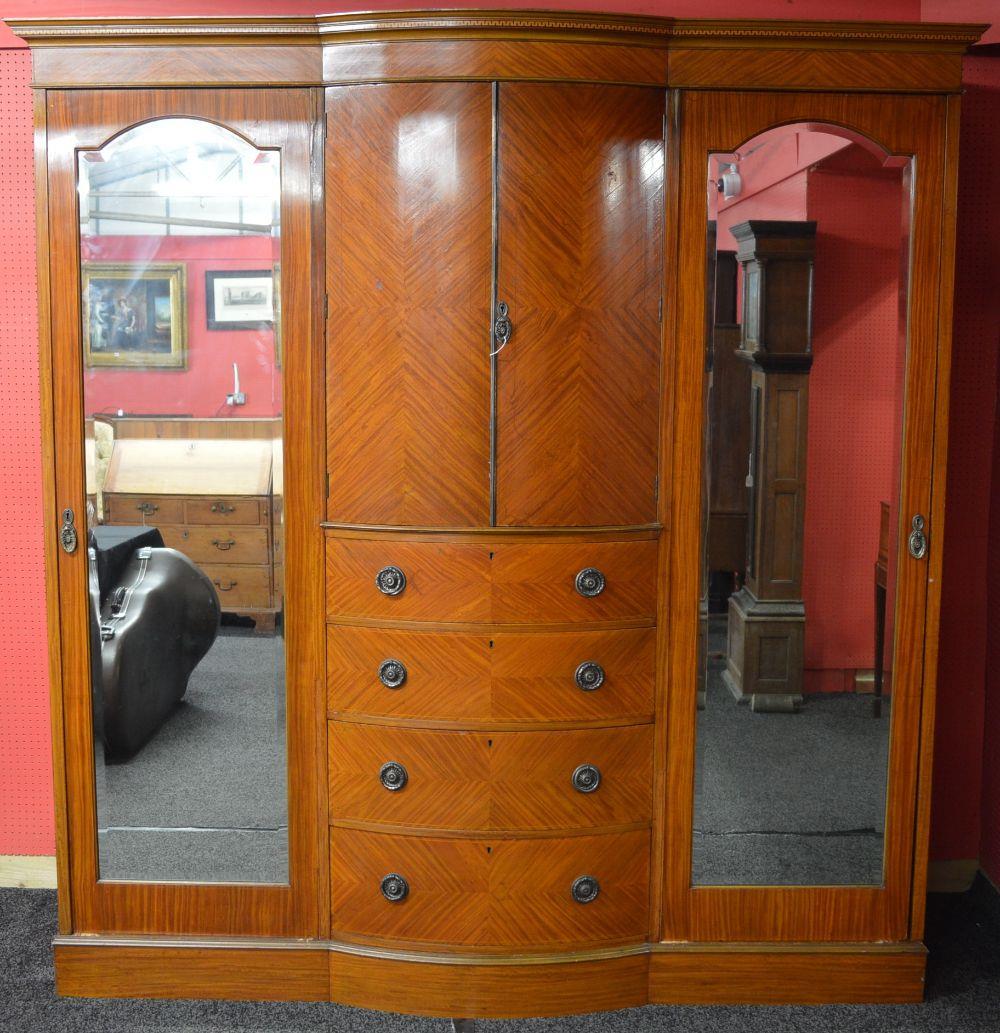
(500, 581)
(444, 581)
(409, 281)
(491, 679)
(491, 781)
(490, 893)
(580, 266)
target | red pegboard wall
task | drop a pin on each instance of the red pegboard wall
(26, 822)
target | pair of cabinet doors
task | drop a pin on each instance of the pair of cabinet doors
(451, 205)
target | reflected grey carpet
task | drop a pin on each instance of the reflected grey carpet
(217, 763)
(963, 993)
(788, 798)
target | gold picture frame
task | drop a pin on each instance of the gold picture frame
(134, 315)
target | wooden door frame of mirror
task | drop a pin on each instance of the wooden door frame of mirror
(925, 128)
(285, 120)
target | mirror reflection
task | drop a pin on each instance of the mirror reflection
(806, 333)
(180, 282)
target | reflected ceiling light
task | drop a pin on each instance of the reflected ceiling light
(730, 182)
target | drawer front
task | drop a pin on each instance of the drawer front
(482, 893)
(443, 582)
(573, 676)
(505, 583)
(447, 674)
(218, 544)
(240, 587)
(236, 510)
(151, 510)
(490, 781)
(537, 582)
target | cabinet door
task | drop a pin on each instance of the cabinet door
(580, 253)
(409, 231)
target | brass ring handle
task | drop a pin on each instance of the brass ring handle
(586, 779)
(221, 507)
(390, 581)
(394, 887)
(585, 889)
(224, 588)
(589, 582)
(224, 546)
(392, 673)
(589, 676)
(147, 507)
(393, 776)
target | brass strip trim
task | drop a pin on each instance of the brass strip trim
(486, 627)
(155, 943)
(629, 531)
(485, 835)
(625, 721)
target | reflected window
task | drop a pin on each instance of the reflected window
(180, 307)
(806, 336)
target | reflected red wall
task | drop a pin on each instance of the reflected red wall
(855, 382)
(201, 388)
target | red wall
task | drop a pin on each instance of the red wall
(201, 388)
(25, 796)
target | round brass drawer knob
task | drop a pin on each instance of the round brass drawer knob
(394, 887)
(585, 889)
(589, 676)
(392, 673)
(393, 776)
(590, 582)
(586, 779)
(390, 581)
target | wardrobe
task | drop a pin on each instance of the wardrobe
(478, 764)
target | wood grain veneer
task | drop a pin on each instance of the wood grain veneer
(530, 45)
(409, 230)
(502, 582)
(580, 252)
(490, 680)
(498, 781)
(490, 893)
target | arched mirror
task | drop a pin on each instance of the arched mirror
(181, 331)
(806, 328)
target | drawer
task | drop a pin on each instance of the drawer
(443, 582)
(240, 587)
(501, 583)
(483, 893)
(236, 510)
(151, 510)
(506, 678)
(537, 582)
(218, 544)
(490, 781)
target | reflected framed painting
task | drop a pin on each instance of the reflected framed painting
(240, 299)
(134, 315)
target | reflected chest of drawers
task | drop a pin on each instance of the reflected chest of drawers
(211, 500)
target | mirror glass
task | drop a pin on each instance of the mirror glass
(808, 257)
(180, 305)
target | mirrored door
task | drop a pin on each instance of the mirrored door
(802, 546)
(183, 335)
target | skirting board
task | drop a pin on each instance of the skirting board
(467, 986)
(20, 871)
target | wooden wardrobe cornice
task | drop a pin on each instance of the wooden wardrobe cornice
(471, 44)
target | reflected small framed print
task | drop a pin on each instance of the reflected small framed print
(134, 315)
(240, 299)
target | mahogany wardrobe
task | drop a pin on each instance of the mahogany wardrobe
(529, 387)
